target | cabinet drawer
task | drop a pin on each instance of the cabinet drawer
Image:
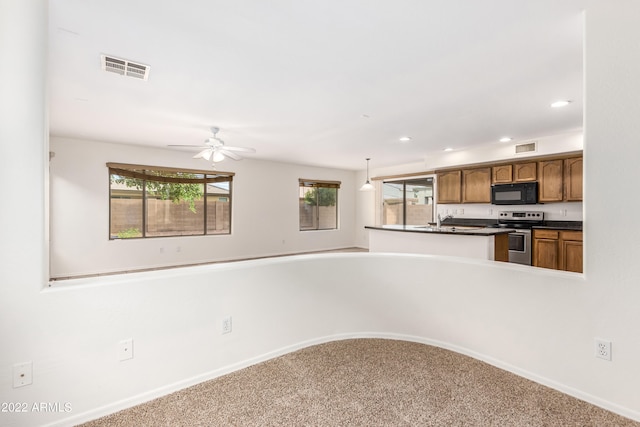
(546, 234)
(571, 235)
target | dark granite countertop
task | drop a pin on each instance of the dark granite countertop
(560, 225)
(470, 222)
(479, 222)
(445, 229)
(476, 227)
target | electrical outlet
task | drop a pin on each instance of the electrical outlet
(226, 325)
(603, 349)
(125, 349)
(22, 374)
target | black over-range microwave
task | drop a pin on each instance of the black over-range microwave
(520, 193)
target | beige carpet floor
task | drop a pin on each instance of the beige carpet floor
(367, 382)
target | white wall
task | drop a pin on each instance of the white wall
(507, 314)
(264, 209)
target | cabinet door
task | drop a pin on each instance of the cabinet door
(571, 250)
(524, 172)
(573, 179)
(476, 185)
(449, 187)
(502, 174)
(550, 177)
(546, 253)
(572, 256)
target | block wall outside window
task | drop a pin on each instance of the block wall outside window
(407, 202)
(148, 201)
(318, 204)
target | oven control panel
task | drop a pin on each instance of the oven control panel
(520, 216)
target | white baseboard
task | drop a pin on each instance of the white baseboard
(171, 388)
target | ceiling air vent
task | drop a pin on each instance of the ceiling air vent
(125, 68)
(527, 147)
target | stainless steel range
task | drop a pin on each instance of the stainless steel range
(520, 242)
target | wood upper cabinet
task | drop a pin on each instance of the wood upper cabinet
(476, 185)
(558, 249)
(502, 174)
(449, 187)
(524, 172)
(550, 181)
(518, 172)
(573, 179)
(559, 180)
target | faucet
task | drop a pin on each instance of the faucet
(440, 219)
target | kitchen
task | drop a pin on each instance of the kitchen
(532, 202)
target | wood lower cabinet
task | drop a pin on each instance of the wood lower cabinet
(572, 256)
(558, 250)
(449, 187)
(546, 250)
(476, 185)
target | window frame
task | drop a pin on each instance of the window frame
(146, 173)
(316, 183)
(404, 181)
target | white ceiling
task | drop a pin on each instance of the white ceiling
(324, 82)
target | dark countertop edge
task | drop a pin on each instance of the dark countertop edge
(558, 227)
(478, 222)
(469, 222)
(492, 232)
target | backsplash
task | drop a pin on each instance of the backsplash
(566, 211)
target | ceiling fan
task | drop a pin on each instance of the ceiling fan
(216, 150)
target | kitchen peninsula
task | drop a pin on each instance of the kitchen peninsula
(472, 242)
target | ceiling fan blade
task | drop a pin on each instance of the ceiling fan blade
(240, 149)
(204, 154)
(230, 155)
(183, 145)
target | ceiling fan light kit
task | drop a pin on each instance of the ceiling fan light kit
(218, 157)
(216, 150)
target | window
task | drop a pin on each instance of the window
(149, 201)
(318, 203)
(407, 202)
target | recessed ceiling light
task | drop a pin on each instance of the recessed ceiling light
(559, 104)
(448, 149)
(506, 139)
(405, 138)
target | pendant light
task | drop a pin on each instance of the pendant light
(367, 185)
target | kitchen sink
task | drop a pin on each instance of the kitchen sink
(444, 228)
(448, 228)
